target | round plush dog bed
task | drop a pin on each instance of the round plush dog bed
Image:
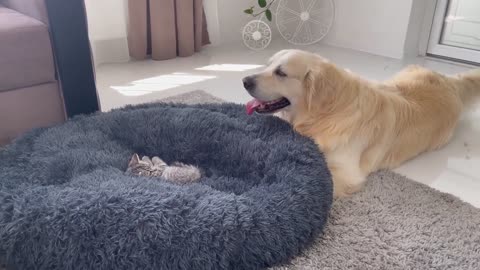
(67, 203)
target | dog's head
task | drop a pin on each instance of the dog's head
(293, 79)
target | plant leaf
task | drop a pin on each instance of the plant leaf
(262, 3)
(268, 14)
(248, 11)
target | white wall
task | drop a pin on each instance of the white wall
(107, 22)
(232, 19)
(421, 19)
(384, 27)
(374, 26)
(107, 29)
(213, 23)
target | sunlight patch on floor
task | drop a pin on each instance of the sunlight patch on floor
(229, 67)
(159, 83)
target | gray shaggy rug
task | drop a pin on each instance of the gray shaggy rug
(395, 223)
(67, 203)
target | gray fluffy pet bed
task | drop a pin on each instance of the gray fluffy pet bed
(66, 203)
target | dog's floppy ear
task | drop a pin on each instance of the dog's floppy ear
(319, 84)
(310, 88)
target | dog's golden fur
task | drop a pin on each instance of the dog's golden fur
(360, 125)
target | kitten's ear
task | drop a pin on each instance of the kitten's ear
(134, 160)
(158, 161)
(147, 160)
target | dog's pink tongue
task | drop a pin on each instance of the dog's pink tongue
(252, 105)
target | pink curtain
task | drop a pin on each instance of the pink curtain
(166, 29)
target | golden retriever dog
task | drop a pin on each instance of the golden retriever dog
(361, 126)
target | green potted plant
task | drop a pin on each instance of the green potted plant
(263, 7)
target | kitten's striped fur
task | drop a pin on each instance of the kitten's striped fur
(156, 167)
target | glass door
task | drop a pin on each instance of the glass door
(456, 30)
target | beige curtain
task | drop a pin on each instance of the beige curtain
(166, 29)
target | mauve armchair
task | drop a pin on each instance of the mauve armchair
(30, 94)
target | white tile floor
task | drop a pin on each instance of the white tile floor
(218, 70)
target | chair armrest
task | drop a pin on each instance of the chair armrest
(32, 8)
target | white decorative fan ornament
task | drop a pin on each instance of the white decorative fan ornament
(257, 35)
(304, 22)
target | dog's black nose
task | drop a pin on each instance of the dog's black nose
(249, 83)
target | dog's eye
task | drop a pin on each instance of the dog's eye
(278, 71)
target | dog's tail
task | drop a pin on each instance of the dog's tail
(469, 86)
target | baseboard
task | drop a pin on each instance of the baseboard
(110, 51)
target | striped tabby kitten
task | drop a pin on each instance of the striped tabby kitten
(155, 167)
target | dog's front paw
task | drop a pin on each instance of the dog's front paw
(345, 191)
(346, 184)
